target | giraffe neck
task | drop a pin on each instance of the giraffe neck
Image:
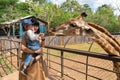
(103, 30)
(105, 40)
(106, 45)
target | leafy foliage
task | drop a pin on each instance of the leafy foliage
(71, 6)
(55, 15)
(104, 16)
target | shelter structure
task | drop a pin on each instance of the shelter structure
(14, 27)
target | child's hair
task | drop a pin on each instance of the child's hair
(35, 23)
(26, 23)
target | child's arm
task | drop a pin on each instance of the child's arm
(39, 51)
(23, 46)
(32, 36)
(42, 40)
(27, 50)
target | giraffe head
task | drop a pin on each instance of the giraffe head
(76, 26)
(99, 34)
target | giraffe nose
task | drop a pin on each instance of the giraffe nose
(59, 32)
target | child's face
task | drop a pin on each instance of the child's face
(30, 27)
(36, 28)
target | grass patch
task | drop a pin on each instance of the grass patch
(82, 46)
(7, 67)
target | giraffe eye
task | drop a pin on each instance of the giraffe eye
(73, 25)
(88, 31)
(53, 29)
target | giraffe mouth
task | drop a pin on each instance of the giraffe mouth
(60, 33)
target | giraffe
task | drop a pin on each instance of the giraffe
(77, 26)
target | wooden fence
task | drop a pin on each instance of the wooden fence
(61, 40)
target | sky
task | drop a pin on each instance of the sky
(94, 4)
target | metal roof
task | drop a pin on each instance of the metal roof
(7, 24)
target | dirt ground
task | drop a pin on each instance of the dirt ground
(75, 70)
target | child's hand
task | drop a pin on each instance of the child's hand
(42, 36)
(39, 51)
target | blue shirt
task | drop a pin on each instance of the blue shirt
(32, 40)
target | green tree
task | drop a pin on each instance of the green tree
(105, 17)
(10, 15)
(119, 22)
(6, 7)
(71, 6)
(23, 8)
(6, 3)
(39, 1)
(49, 11)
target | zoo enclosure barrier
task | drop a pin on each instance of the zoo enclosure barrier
(9, 55)
(87, 65)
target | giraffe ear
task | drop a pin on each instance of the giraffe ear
(84, 14)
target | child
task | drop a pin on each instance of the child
(32, 42)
